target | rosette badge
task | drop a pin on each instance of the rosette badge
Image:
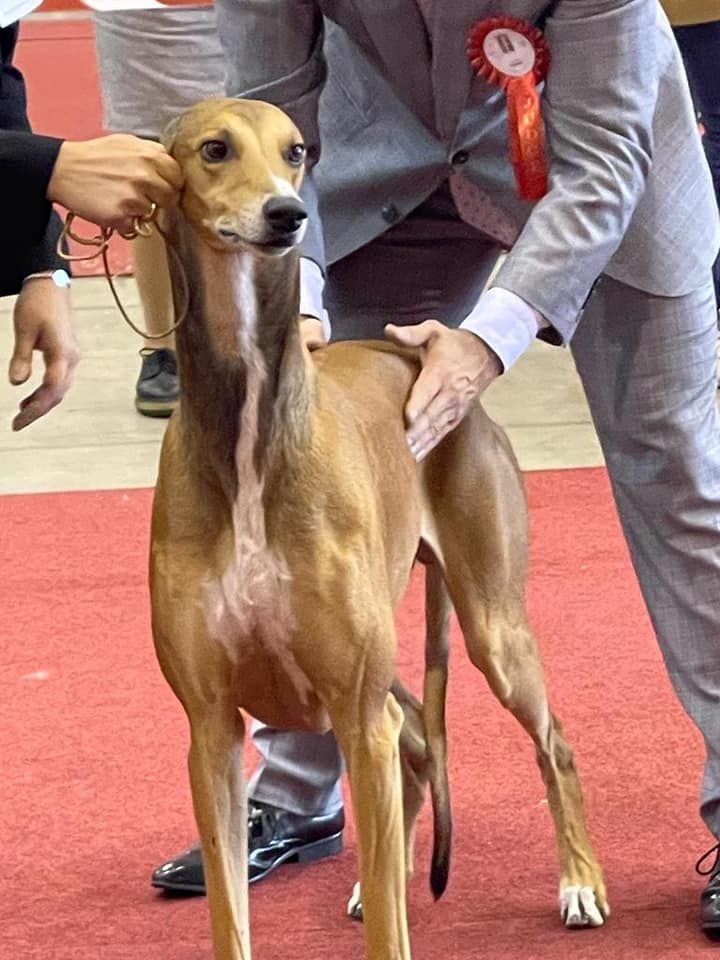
(514, 55)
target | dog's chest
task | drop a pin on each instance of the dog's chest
(248, 606)
(249, 612)
(251, 599)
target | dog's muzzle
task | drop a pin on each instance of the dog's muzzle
(285, 218)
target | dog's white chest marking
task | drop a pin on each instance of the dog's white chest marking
(249, 605)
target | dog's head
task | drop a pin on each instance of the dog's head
(243, 163)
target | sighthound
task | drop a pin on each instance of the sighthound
(287, 517)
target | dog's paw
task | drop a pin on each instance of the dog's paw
(579, 907)
(354, 907)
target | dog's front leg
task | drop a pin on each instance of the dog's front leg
(370, 746)
(220, 802)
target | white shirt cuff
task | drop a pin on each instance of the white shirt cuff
(505, 322)
(312, 284)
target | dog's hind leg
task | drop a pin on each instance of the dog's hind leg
(504, 649)
(437, 649)
(423, 743)
(481, 523)
(414, 765)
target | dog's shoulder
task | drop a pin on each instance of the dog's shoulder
(353, 363)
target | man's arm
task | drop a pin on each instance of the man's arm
(30, 228)
(598, 106)
(312, 284)
(108, 181)
(27, 161)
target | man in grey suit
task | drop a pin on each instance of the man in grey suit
(413, 200)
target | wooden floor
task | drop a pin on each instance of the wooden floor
(96, 440)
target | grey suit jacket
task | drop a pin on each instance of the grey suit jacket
(630, 192)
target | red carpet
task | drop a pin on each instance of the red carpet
(94, 788)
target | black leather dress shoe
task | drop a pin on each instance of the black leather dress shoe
(158, 387)
(274, 837)
(710, 897)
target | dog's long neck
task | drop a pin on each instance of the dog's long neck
(246, 385)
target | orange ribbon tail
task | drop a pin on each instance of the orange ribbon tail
(527, 137)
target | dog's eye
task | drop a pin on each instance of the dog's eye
(296, 154)
(214, 151)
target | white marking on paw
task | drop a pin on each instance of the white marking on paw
(37, 675)
(578, 907)
(354, 907)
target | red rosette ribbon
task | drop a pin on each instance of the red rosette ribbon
(513, 54)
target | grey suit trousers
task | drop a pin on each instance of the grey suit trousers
(648, 367)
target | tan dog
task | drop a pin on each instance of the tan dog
(287, 518)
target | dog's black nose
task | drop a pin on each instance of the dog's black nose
(285, 214)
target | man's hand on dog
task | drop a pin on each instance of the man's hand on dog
(457, 366)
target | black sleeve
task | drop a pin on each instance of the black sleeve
(30, 228)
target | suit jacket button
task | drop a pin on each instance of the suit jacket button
(459, 158)
(390, 213)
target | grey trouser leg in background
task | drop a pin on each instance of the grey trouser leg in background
(299, 772)
(648, 365)
(431, 265)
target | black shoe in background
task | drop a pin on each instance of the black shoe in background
(158, 387)
(275, 837)
(710, 897)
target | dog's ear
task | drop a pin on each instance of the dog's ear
(169, 134)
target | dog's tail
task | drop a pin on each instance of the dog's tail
(437, 644)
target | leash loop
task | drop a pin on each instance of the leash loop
(141, 227)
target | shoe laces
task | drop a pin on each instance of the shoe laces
(157, 360)
(259, 820)
(712, 870)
